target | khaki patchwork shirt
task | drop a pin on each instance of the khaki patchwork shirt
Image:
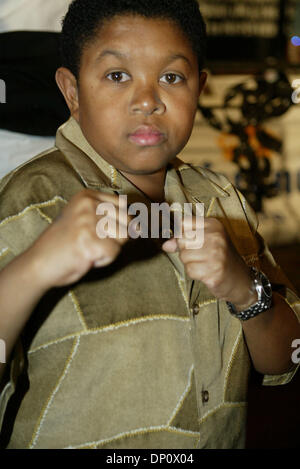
(136, 354)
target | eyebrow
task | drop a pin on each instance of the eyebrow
(122, 55)
(115, 53)
(174, 57)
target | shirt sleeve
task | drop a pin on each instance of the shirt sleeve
(264, 261)
(8, 386)
(283, 286)
(15, 365)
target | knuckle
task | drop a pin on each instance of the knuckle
(85, 224)
(190, 269)
(82, 202)
(182, 255)
(85, 204)
(213, 283)
(218, 245)
(81, 237)
(181, 245)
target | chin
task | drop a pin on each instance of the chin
(146, 170)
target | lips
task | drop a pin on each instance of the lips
(146, 135)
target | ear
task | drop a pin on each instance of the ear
(67, 84)
(202, 81)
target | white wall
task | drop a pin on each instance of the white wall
(38, 15)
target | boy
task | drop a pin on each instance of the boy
(130, 344)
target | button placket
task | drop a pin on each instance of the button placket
(203, 395)
(194, 311)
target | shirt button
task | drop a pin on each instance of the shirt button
(205, 397)
(195, 310)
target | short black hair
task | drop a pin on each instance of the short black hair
(85, 17)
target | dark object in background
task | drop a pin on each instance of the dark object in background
(261, 98)
(241, 34)
(273, 416)
(34, 104)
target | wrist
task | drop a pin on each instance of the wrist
(245, 296)
(247, 302)
(263, 289)
(35, 270)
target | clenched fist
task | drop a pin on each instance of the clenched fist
(70, 247)
(215, 262)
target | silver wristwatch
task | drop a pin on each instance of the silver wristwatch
(264, 293)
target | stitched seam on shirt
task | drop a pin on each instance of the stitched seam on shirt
(54, 342)
(49, 401)
(227, 186)
(181, 284)
(179, 431)
(113, 175)
(223, 404)
(182, 397)
(48, 203)
(109, 328)
(78, 309)
(279, 379)
(211, 206)
(48, 219)
(234, 351)
(214, 200)
(140, 431)
(132, 322)
(208, 302)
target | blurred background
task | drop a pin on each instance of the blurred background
(247, 127)
(249, 114)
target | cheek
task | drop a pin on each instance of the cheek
(184, 104)
(101, 116)
(183, 117)
(92, 99)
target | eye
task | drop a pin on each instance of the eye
(118, 77)
(171, 78)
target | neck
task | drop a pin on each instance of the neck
(152, 185)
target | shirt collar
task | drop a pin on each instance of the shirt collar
(93, 170)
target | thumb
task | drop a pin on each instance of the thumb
(170, 245)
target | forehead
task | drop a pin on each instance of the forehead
(136, 35)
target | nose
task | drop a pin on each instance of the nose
(146, 100)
